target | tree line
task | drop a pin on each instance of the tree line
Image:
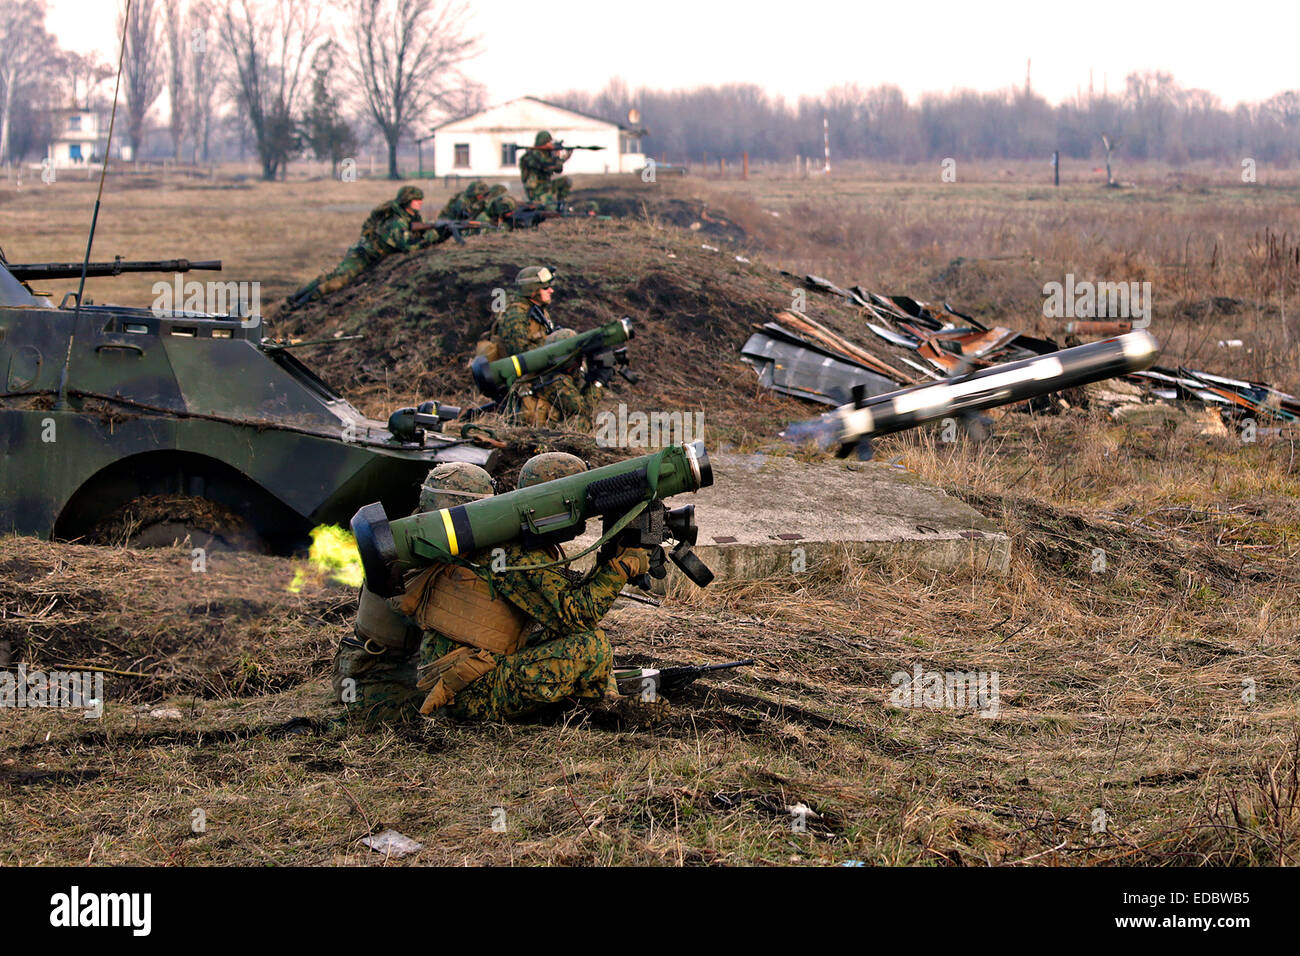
(1153, 117)
(279, 78)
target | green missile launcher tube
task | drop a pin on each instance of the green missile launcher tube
(549, 513)
(494, 379)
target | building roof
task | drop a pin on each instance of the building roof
(535, 99)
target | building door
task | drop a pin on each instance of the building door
(74, 152)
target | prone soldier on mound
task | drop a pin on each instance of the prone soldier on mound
(501, 206)
(540, 169)
(463, 207)
(387, 230)
(528, 640)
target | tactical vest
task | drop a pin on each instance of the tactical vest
(490, 345)
(456, 602)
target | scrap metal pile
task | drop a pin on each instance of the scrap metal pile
(914, 342)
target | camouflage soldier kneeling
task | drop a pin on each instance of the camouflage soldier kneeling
(375, 670)
(529, 636)
(525, 324)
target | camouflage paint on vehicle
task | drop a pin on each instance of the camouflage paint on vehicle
(184, 403)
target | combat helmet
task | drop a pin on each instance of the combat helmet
(454, 483)
(477, 189)
(533, 278)
(543, 138)
(497, 190)
(408, 194)
(548, 467)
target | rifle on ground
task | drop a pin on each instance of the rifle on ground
(668, 680)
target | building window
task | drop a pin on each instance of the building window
(629, 144)
(509, 154)
(462, 155)
(74, 152)
(74, 122)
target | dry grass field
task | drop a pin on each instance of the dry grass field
(1150, 704)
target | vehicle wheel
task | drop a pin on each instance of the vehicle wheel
(164, 521)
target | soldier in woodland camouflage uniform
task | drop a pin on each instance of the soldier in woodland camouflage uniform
(566, 654)
(539, 168)
(571, 401)
(377, 681)
(500, 206)
(526, 324)
(467, 205)
(387, 230)
(526, 320)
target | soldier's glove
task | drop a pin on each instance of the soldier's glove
(631, 563)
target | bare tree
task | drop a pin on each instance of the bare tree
(406, 59)
(85, 73)
(142, 72)
(270, 43)
(204, 77)
(25, 49)
(174, 32)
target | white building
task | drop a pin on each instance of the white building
(487, 144)
(79, 138)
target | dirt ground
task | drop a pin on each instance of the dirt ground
(1144, 638)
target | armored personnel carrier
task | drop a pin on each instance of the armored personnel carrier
(228, 436)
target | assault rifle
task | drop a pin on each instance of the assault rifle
(534, 214)
(452, 227)
(667, 680)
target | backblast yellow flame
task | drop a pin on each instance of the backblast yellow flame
(334, 554)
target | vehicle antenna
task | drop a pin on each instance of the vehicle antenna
(62, 401)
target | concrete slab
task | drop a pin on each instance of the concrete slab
(762, 509)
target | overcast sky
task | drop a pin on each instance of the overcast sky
(1238, 51)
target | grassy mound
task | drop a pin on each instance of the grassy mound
(694, 300)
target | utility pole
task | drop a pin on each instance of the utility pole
(826, 142)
